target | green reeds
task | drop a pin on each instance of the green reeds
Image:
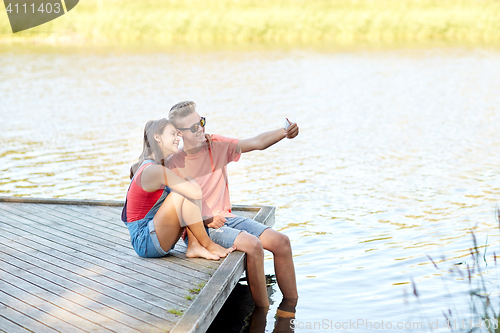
(268, 22)
(484, 313)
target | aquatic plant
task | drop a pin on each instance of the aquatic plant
(484, 313)
(266, 22)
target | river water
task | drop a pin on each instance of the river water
(397, 159)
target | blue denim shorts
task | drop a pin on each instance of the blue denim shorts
(225, 235)
(143, 235)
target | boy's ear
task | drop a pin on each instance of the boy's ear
(179, 134)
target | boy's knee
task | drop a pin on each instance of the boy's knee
(256, 246)
(282, 243)
(252, 245)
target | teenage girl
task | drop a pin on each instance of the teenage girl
(160, 204)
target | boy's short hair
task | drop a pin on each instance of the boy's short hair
(181, 110)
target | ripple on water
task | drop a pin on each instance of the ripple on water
(397, 157)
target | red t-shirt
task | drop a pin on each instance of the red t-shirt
(139, 201)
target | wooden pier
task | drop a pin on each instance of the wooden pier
(68, 266)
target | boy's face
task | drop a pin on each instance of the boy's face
(195, 138)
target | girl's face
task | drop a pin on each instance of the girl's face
(168, 141)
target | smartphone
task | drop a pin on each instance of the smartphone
(287, 124)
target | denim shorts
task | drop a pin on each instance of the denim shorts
(225, 235)
(143, 235)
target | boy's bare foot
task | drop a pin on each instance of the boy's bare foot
(219, 250)
(195, 250)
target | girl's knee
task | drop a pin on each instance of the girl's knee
(177, 200)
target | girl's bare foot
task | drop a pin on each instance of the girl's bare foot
(219, 250)
(195, 250)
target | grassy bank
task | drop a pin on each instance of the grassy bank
(268, 21)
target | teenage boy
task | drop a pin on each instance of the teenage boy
(208, 165)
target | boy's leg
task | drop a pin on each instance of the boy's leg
(284, 315)
(252, 246)
(279, 245)
(227, 236)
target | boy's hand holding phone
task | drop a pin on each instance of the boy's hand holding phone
(291, 129)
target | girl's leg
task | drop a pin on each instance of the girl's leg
(195, 250)
(176, 209)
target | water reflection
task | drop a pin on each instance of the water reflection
(397, 157)
(239, 315)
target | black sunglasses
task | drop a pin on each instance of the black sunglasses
(195, 127)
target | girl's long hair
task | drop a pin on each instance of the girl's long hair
(150, 148)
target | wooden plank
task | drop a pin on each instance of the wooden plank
(90, 214)
(87, 229)
(125, 237)
(246, 211)
(112, 212)
(62, 201)
(130, 289)
(54, 253)
(28, 322)
(111, 295)
(105, 203)
(8, 326)
(97, 284)
(34, 291)
(136, 264)
(266, 215)
(245, 208)
(53, 218)
(201, 313)
(97, 243)
(50, 224)
(35, 307)
(101, 212)
(56, 316)
(91, 316)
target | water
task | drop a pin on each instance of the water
(397, 159)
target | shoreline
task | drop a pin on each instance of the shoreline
(64, 45)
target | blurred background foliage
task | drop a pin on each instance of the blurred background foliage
(267, 21)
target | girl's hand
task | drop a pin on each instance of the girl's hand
(181, 172)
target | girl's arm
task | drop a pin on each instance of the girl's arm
(154, 176)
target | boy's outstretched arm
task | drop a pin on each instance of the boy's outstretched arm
(267, 139)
